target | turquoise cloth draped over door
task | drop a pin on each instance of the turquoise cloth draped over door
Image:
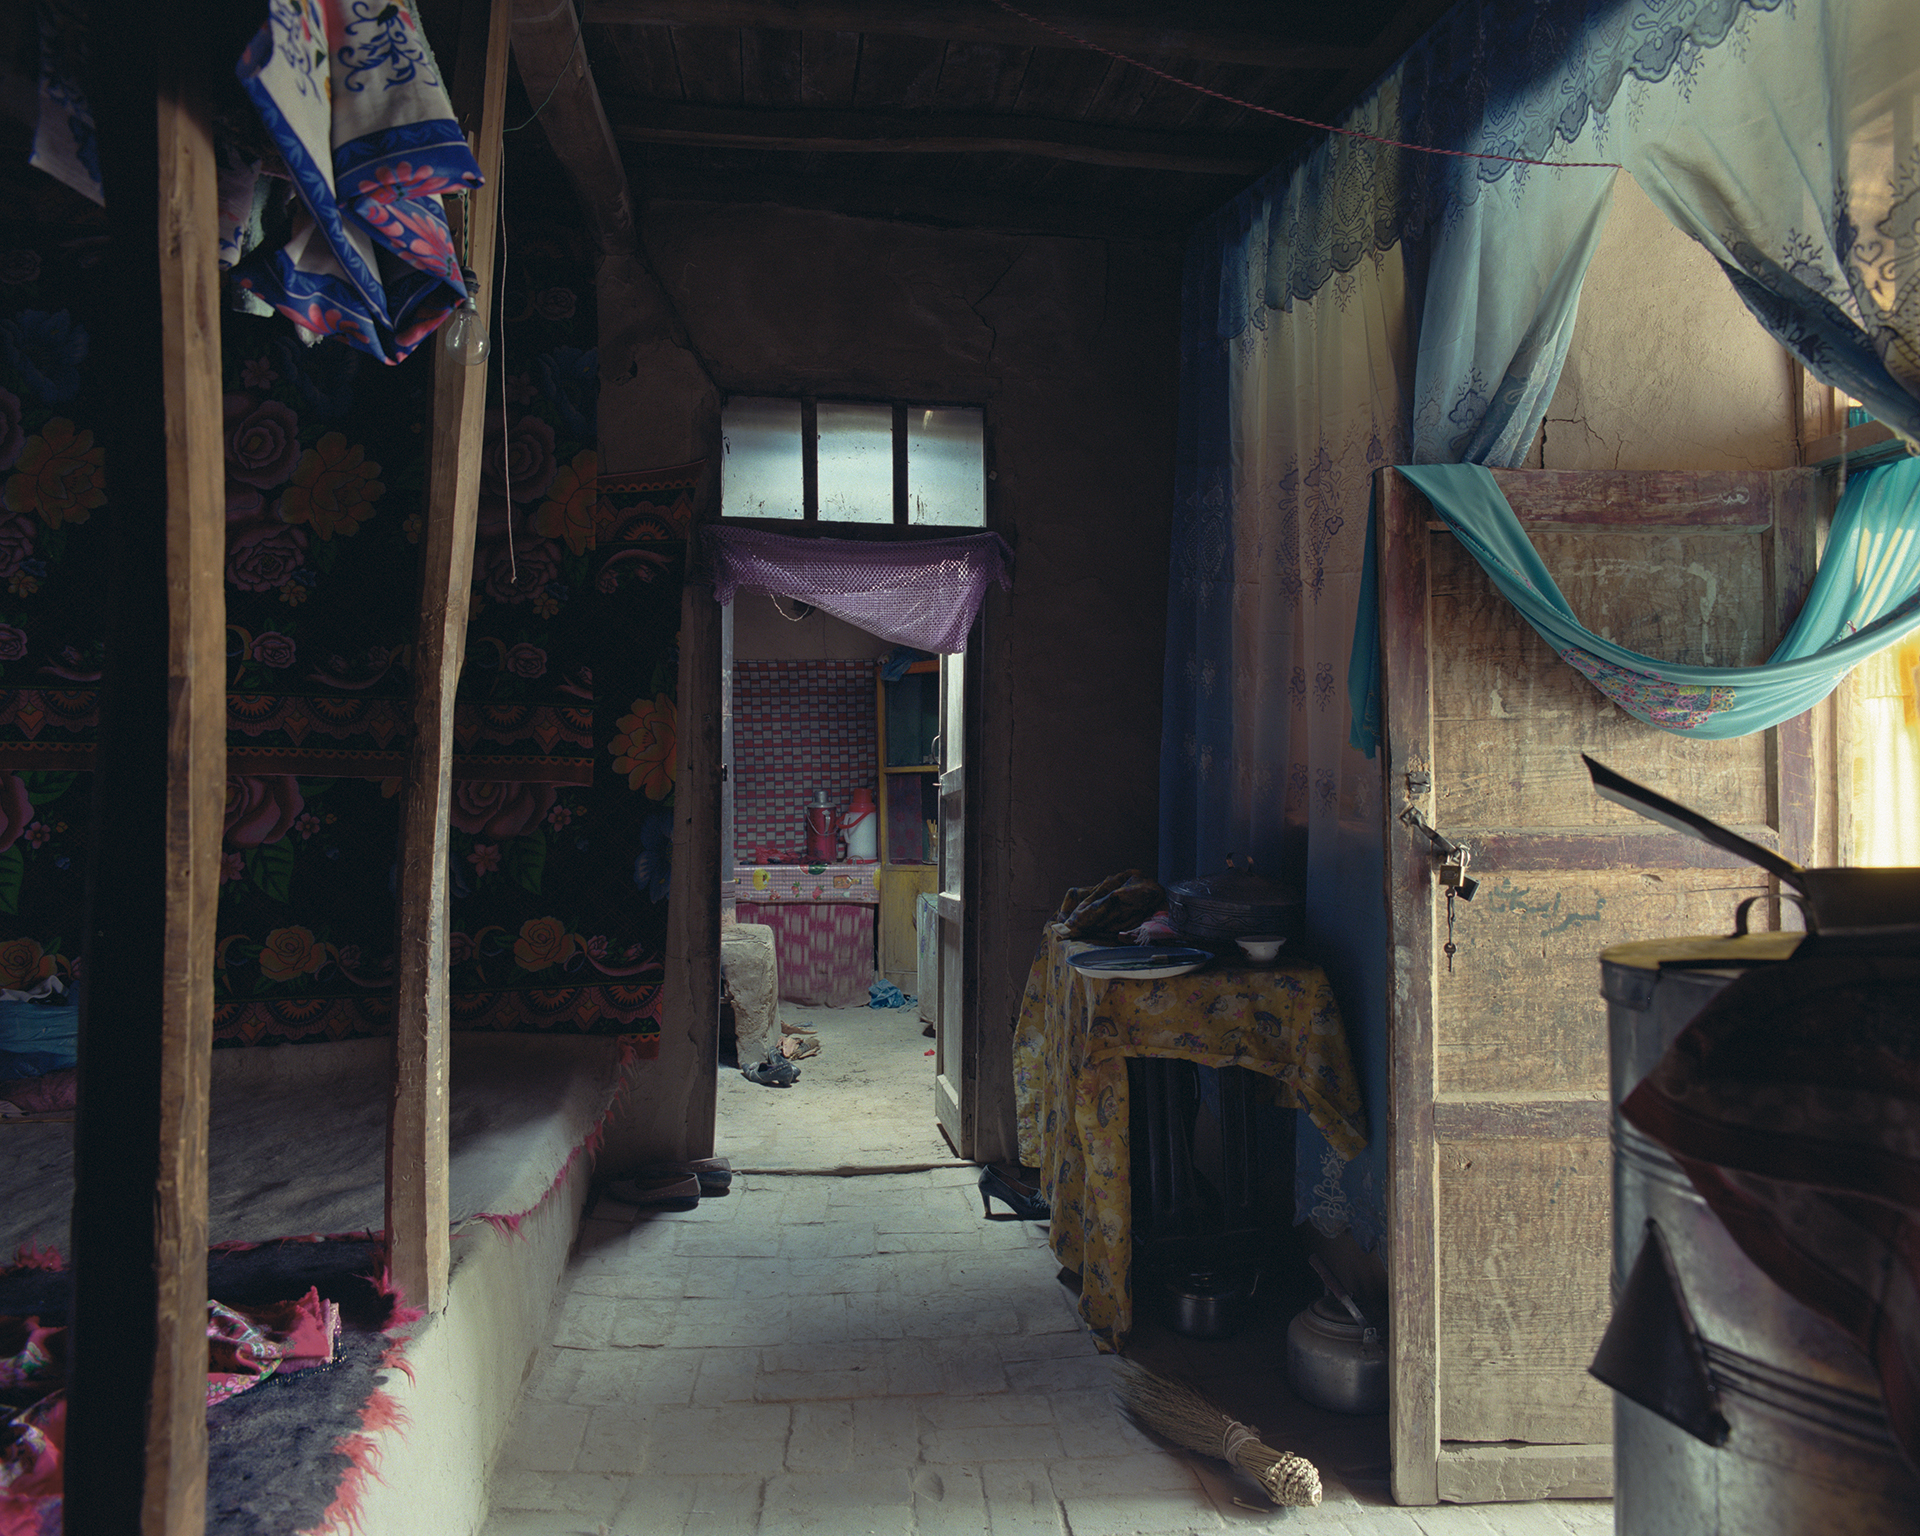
(1865, 597)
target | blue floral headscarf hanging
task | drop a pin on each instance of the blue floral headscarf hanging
(353, 101)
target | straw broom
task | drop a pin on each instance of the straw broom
(1183, 1416)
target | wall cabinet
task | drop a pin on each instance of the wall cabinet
(909, 722)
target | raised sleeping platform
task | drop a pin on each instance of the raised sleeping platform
(297, 1151)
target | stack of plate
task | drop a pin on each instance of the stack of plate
(1136, 962)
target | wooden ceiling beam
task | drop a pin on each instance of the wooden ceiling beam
(939, 207)
(980, 21)
(644, 346)
(939, 133)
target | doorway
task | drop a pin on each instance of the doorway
(843, 828)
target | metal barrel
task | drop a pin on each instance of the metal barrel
(1807, 1448)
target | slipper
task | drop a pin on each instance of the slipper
(927, 1030)
(799, 1047)
(668, 1192)
(715, 1174)
(775, 1072)
(797, 1029)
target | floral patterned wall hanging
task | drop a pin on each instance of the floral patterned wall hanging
(53, 490)
(564, 755)
(326, 481)
(560, 867)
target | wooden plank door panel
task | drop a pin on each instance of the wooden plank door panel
(953, 1105)
(1500, 1176)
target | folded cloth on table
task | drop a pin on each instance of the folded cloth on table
(1118, 902)
(1157, 929)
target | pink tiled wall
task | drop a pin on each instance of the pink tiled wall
(798, 726)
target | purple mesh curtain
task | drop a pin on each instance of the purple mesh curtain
(922, 594)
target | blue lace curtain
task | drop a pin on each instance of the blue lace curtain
(1372, 305)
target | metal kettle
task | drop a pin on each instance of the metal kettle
(1336, 1359)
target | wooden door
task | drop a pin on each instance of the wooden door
(1499, 1161)
(729, 859)
(953, 1104)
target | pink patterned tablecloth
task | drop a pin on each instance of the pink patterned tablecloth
(808, 882)
(825, 948)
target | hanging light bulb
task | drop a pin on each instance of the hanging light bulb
(466, 331)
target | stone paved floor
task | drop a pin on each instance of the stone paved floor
(865, 1101)
(867, 1355)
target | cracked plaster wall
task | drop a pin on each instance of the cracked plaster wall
(1667, 369)
(1071, 345)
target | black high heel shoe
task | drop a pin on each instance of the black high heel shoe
(1026, 1204)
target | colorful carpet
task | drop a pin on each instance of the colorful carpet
(292, 1453)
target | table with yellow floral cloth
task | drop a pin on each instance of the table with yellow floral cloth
(1070, 1046)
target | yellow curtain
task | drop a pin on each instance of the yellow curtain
(1884, 771)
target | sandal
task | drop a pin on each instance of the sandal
(799, 1047)
(714, 1174)
(797, 1029)
(668, 1192)
(775, 1072)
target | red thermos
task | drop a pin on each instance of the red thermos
(823, 830)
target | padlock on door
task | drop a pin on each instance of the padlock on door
(1454, 876)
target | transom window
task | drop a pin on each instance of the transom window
(853, 461)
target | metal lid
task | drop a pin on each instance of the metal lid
(1245, 886)
(1704, 950)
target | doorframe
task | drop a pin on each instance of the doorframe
(967, 1087)
(702, 703)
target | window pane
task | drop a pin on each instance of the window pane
(946, 467)
(856, 462)
(760, 470)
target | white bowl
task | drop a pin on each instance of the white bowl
(1260, 948)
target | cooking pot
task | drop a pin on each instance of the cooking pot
(1209, 1304)
(1841, 904)
(1222, 907)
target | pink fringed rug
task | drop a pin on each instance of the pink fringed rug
(293, 1453)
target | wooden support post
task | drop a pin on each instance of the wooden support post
(417, 1215)
(658, 406)
(136, 1439)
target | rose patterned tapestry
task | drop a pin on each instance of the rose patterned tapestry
(565, 728)
(52, 543)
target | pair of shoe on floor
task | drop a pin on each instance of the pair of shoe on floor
(674, 1186)
(775, 1072)
(797, 1042)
